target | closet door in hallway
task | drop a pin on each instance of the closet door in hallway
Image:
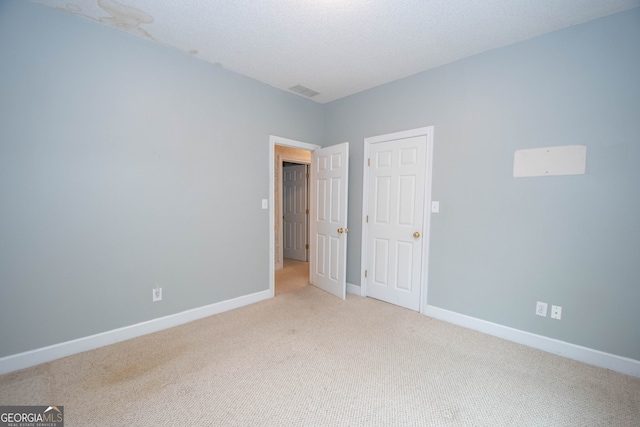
(295, 212)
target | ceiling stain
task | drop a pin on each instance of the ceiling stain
(125, 17)
(193, 52)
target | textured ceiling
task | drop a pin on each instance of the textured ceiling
(337, 47)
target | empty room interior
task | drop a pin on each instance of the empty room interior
(455, 183)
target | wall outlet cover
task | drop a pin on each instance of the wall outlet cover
(157, 294)
(541, 309)
(556, 312)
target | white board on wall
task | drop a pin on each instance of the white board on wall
(548, 161)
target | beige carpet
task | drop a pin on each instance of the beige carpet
(306, 358)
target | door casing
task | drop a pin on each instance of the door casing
(428, 132)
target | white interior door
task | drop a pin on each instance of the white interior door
(294, 190)
(328, 258)
(395, 227)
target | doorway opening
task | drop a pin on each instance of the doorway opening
(294, 221)
(289, 237)
(328, 197)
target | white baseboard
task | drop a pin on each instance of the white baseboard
(582, 354)
(353, 289)
(18, 361)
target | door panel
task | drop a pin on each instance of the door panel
(320, 253)
(329, 175)
(404, 260)
(381, 262)
(383, 199)
(396, 212)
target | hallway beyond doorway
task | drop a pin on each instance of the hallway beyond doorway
(293, 276)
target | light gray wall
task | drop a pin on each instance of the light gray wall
(117, 159)
(499, 244)
(125, 164)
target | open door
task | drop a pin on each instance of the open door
(329, 174)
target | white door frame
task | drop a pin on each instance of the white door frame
(428, 132)
(273, 141)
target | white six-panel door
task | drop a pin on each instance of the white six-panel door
(395, 220)
(329, 174)
(294, 190)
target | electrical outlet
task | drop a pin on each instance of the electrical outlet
(556, 312)
(157, 294)
(541, 309)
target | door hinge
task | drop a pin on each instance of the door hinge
(365, 273)
(369, 161)
(307, 175)
(307, 212)
(367, 218)
(306, 246)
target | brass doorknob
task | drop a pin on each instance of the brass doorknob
(416, 234)
(340, 230)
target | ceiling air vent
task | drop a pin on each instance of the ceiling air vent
(304, 91)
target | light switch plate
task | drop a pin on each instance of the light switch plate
(435, 206)
(265, 204)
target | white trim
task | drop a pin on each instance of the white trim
(572, 351)
(273, 141)
(30, 358)
(363, 221)
(424, 292)
(354, 289)
(427, 131)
